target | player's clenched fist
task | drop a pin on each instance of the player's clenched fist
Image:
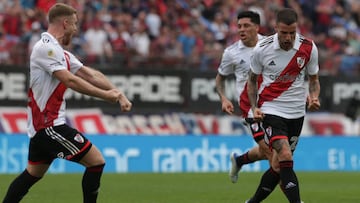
(125, 104)
(313, 103)
(116, 96)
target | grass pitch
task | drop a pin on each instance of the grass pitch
(315, 187)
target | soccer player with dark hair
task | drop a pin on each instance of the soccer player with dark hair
(52, 71)
(283, 60)
(236, 61)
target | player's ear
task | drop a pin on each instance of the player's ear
(276, 27)
(65, 21)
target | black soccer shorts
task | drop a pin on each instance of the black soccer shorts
(57, 142)
(276, 127)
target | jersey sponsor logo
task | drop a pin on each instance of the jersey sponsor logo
(78, 138)
(285, 78)
(56, 64)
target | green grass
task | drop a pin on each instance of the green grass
(319, 187)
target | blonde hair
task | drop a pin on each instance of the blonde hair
(60, 10)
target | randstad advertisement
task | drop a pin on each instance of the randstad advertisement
(167, 154)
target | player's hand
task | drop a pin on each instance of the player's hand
(258, 114)
(113, 95)
(125, 104)
(227, 107)
(313, 104)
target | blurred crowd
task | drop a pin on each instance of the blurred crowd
(179, 33)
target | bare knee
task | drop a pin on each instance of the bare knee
(93, 157)
(264, 150)
(37, 170)
(282, 149)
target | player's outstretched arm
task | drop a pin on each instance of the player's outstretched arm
(82, 86)
(95, 78)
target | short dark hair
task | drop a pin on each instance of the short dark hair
(254, 17)
(59, 10)
(287, 16)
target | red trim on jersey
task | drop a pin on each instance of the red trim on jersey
(244, 99)
(292, 70)
(37, 119)
(45, 118)
(67, 58)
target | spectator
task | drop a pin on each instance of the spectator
(187, 40)
(320, 20)
(99, 49)
(5, 46)
(35, 35)
(153, 22)
(140, 43)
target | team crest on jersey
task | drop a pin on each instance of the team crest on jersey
(300, 61)
(255, 127)
(78, 138)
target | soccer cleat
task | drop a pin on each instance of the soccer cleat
(234, 169)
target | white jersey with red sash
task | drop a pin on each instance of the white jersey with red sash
(283, 90)
(46, 102)
(236, 60)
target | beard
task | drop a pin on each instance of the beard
(67, 39)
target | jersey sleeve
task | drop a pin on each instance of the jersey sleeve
(48, 58)
(75, 64)
(313, 64)
(255, 63)
(226, 66)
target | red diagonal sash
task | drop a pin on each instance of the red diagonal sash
(291, 71)
(244, 99)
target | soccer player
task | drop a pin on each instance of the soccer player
(283, 60)
(52, 71)
(236, 60)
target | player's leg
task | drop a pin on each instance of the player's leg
(22, 183)
(282, 163)
(38, 163)
(285, 149)
(271, 177)
(259, 152)
(77, 148)
(94, 163)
